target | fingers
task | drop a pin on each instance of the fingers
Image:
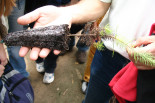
(29, 18)
(146, 49)
(23, 51)
(144, 41)
(140, 67)
(44, 52)
(34, 53)
(56, 52)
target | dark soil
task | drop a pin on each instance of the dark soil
(52, 37)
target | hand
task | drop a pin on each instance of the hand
(149, 47)
(44, 16)
(3, 57)
(1, 70)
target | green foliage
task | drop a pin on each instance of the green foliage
(99, 45)
(145, 58)
(107, 29)
(106, 33)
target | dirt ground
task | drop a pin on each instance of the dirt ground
(66, 87)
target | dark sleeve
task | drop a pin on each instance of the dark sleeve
(58, 2)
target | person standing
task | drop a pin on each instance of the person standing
(16, 61)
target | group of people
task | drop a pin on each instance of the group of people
(48, 64)
(129, 19)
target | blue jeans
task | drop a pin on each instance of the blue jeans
(16, 61)
(103, 68)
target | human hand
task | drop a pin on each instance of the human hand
(44, 16)
(149, 47)
(3, 57)
(1, 70)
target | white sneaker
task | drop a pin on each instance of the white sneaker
(48, 77)
(40, 67)
(84, 86)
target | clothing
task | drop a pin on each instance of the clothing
(75, 28)
(91, 53)
(88, 64)
(124, 83)
(145, 82)
(104, 66)
(145, 86)
(49, 62)
(16, 61)
(58, 2)
(34, 4)
(129, 19)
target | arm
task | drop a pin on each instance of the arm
(85, 10)
(149, 41)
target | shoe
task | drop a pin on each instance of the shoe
(81, 56)
(84, 86)
(48, 77)
(40, 67)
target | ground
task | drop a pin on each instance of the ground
(66, 87)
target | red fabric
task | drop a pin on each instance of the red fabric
(124, 83)
(152, 29)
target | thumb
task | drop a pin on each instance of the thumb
(29, 18)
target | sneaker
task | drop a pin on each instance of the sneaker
(81, 56)
(40, 67)
(48, 77)
(84, 86)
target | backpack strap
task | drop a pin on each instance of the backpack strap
(2, 93)
(8, 72)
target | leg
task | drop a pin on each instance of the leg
(103, 68)
(50, 65)
(39, 60)
(16, 61)
(146, 86)
(82, 48)
(88, 64)
(50, 62)
(75, 28)
(87, 69)
(40, 65)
